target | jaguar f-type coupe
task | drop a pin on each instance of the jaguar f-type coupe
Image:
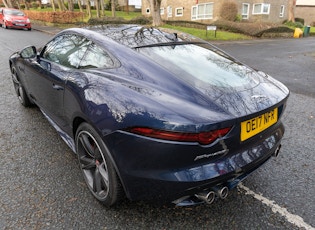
(153, 115)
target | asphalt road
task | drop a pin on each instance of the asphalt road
(289, 60)
(42, 186)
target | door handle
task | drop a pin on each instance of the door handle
(57, 87)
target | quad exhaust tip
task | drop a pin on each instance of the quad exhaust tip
(207, 197)
(222, 192)
(276, 153)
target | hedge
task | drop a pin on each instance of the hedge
(56, 17)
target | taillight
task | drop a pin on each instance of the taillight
(203, 138)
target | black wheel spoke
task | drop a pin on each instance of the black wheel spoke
(97, 182)
(86, 143)
(87, 163)
(104, 174)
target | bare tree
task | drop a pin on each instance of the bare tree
(102, 8)
(26, 4)
(113, 3)
(155, 6)
(291, 16)
(127, 6)
(88, 8)
(97, 4)
(80, 6)
(61, 5)
(7, 3)
(52, 2)
(70, 5)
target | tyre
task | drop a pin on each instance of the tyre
(97, 168)
(4, 25)
(19, 89)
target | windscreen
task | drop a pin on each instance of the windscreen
(13, 12)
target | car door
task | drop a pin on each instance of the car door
(47, 77)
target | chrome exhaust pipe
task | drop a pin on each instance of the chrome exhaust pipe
(222, 192)
(276, 153)
(207, 197)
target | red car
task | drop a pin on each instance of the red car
(13, 18)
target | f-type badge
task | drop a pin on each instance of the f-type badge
(222, 152)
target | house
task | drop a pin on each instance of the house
(207, 11)
(133, 5)
(306, 9)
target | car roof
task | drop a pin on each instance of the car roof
(4, 8)
(134, 35)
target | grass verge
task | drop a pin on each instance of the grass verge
(210, 35)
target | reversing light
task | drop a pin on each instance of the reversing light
(203, 138)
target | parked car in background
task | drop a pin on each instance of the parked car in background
(152, 116)
(13, 18)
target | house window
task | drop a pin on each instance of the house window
(281, 11)
(202, 11)
(161, 11)
(194, 13)
(261, 8)
(179, 12)
(147, 10)
(169, 11)
(245, 11)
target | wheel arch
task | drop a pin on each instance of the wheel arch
(76, 123)
(10, 64)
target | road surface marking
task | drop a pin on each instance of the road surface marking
(293, 219)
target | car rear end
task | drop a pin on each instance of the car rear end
(189, 172)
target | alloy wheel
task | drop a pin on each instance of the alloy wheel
(93, 165)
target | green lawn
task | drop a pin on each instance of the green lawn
(210, 35)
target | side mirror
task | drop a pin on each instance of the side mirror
(28, 52)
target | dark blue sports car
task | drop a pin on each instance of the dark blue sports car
(150, 115)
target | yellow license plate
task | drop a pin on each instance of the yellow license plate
(258, 124)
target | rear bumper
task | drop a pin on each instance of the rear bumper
(149, 170)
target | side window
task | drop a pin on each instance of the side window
(96, 57)
(66, 50)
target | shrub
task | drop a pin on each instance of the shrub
(106, 20)
(108, 6)
(229, 11)
(35, 5)
(76, 6)
(238, 18)
(294, 24)
(300, 20)
(141, 20)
